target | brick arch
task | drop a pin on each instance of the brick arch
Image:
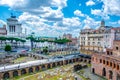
(77, 59)
(118, 76)
(23, 71)
(89, 61)
(43, 66)
(70, 61)
(85, 60)
(15, 73)
(73, 60)
(53, 64)
(61, 62)
(48, 66)
(104, 72)
(58, 63)
(6, 75)
(110, 75)
(30, 70)
(66, 61)
(37, 68)
(93, 70)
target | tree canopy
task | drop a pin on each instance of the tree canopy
(7, 48)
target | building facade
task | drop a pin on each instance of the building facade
(3, 30)
(74, 41)
(107, 64)
(14, 28)
(98, 39)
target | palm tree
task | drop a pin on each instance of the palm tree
(17, 39)
(23, 41)
(32, 39)
(62, 41)
(11, 39)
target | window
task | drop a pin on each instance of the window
(103, 61)
(116, 48)
(100, 61)
(107, 52)
(111, 64)
(107, 63)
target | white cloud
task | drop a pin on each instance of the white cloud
(31, 4)
(41, 26)
(118, 21)
(111, 7)
(2, 22)
(90, 23)
(99, 12)
(52, 15)
(90, 3)
(78, 13)
(96, 11)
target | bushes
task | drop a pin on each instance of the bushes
(7, 48)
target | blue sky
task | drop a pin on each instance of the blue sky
(56, 17)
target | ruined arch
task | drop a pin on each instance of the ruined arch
(37, 68)
(43, 66)
(73, 60)
(93, 70)
(53, 65)
(66, 61)
(15, 73)
(23, 71)
(70, 61)
(48, 66)
(118, 76)
(104, 72)
(61, 62)
(30, 70)
(110, 74)
(6, 75)
(58, 63)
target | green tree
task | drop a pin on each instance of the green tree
(7, 48)
(23, 41)
(45, 50)
(32, 39)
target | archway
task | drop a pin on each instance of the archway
(66, 61)
(70, 61)
(61, 62)
(104, 72)
(48, 66)
(110, 74)
(85, 60)
(6, 75)
(118, 76)
(43, 67)
(30, 70)
(89, 61)
(77, 60)
(58, 63)
(23, 71)
(53, 65)
(37, 68)
(15, 73)
(93, 70)
(73, 60)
